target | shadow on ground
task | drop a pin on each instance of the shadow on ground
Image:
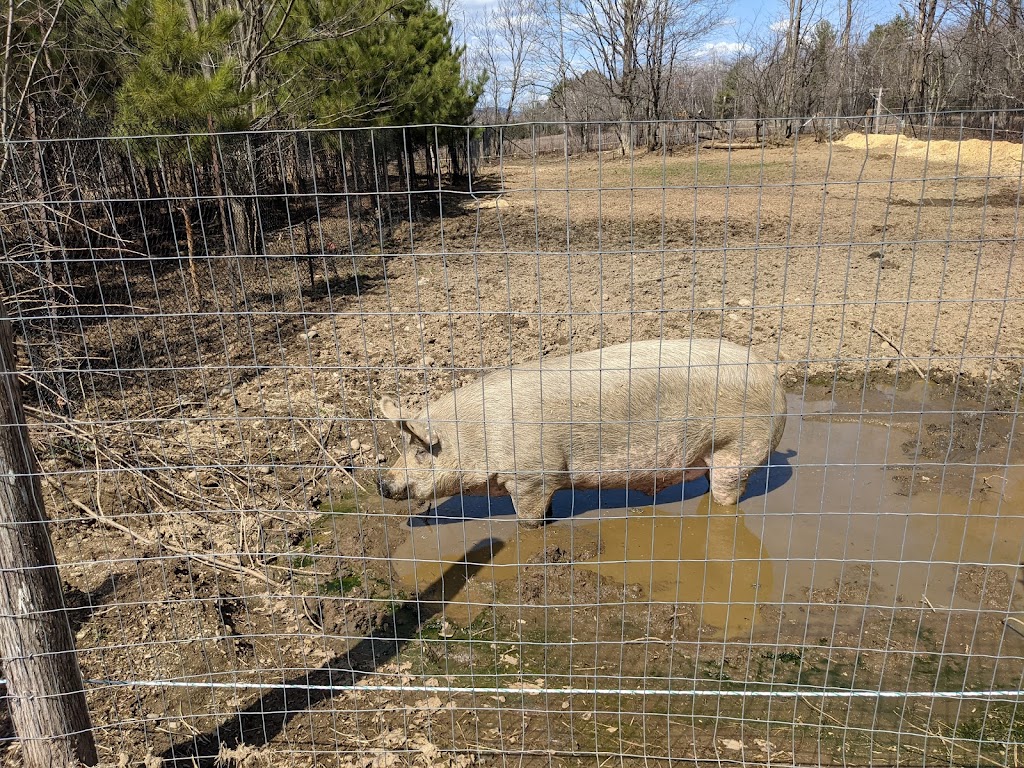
(266, 717)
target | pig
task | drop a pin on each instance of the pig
(640, 415)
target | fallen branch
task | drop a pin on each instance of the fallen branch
(899, 351)
(73, 429)
(209, 560)
(326, 453)
(1009, 621)
(822, 712)
(951, 743)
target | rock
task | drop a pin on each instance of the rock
(428, 361)
(365, 446)
(308, 335)
(354, 445)
(875, 255)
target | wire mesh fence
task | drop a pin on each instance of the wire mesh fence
(210, 322)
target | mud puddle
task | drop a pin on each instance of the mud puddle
(825, 534)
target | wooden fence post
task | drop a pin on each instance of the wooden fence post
(44, 683)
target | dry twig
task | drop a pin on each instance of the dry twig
(976, 754)
(326, 453)
(209, 560)
(1011, 620)
(899, 351)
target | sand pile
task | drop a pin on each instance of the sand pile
(994, 157)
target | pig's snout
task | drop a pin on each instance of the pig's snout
(392, 489)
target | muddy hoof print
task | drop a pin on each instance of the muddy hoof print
(553, 554)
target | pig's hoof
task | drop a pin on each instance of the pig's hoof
(532, 525)
(723, 507)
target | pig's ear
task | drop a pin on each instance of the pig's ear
(422, 431)
(390, 409)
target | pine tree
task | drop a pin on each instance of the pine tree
(178, 80)
(393, 63)
(175, 79)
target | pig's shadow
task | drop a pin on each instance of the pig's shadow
(567, 504)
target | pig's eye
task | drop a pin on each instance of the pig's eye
(422, 454)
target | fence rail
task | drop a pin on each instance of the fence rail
(208, 322)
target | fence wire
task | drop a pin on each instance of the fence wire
(209, 322)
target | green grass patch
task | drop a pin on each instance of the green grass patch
(339, 505)
(715, 171)
(340, 586)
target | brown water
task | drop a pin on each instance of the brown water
(830, 522)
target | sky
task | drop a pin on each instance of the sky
(745, 23)
(747, 17)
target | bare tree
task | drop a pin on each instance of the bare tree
(28, 78)
(790, 74)
(845, 62)
(927, 18)
(696, 87)
(508, 41)
(803, 19)
(586, 99)
(634, 46)
(759, 75)
(667, 39)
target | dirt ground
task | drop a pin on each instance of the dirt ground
(210, 467)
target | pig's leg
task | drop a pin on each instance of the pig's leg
(699, 468)
(532, 500)
(728, 477)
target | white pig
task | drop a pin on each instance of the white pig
(642, 415)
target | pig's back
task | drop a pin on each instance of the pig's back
(645, 393)
(622, 379)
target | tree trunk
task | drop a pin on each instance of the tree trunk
(627, 86)
(218, 185)
(47, 697)
(793, 38)
(241, 225)
(845, 46)
(925, 29)
(190, 245)
(410, 157)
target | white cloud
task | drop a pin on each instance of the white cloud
(721, 49)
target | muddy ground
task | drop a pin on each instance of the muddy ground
(211, 466)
